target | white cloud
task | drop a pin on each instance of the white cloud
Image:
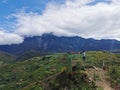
(116, 1)
(9, 38)
(77, 3)
(98, 21)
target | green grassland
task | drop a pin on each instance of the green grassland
(55, 72)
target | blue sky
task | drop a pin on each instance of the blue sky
(8, 7)
(98, 19)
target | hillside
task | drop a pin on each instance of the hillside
(29, 54)
(6, 58)
(48, 43)
(57, 72)
(100, 77)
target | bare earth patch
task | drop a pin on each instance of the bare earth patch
(99, 76)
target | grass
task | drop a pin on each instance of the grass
(32, 74)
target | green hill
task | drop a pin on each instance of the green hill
(6, 58)
(28, 55)
(59, 72)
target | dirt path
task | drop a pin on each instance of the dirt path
(101, 76)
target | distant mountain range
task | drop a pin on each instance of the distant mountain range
(51, 43)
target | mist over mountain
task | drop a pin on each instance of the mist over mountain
(51, 43)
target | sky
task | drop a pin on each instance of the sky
(98, 19)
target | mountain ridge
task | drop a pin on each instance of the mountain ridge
(51, 43)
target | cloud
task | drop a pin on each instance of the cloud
(74, 17)
(9, 38)
(86, 18)
(77, 3)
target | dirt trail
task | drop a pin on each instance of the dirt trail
(101, 77)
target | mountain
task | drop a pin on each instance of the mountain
(51, 43)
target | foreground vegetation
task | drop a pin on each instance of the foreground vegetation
(58, 72)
